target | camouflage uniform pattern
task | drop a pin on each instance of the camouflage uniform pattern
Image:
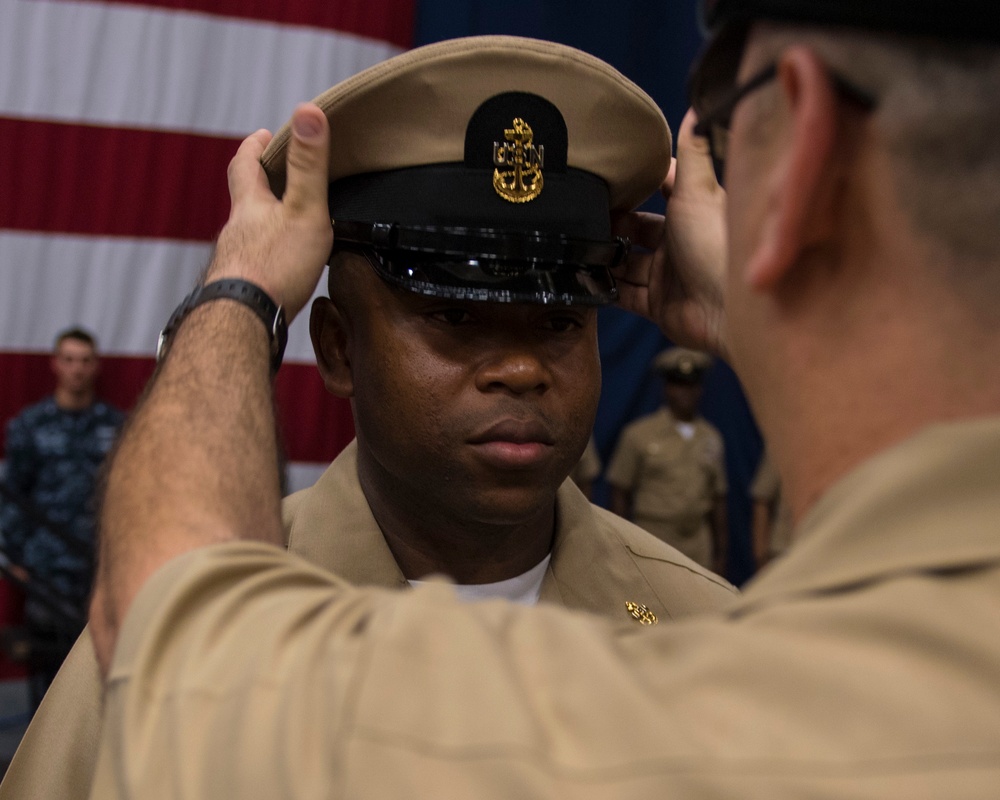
(52, 460)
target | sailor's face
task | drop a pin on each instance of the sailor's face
(75, 365)
(482, 408)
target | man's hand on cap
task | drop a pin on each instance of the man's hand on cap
(282, 246)
(674, 275)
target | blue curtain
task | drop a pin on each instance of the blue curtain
(653, 44)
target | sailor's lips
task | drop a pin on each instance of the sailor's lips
(514, 443)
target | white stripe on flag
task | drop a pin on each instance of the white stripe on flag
(122, 289)
(133, 66)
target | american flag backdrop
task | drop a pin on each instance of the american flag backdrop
(117, 121)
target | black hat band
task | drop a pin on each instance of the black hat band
(574, 203)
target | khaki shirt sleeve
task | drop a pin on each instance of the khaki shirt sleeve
(56, 756)
(717, 461)
(766, 484)
(243, 672)
(202, 699)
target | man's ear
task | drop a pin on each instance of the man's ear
(805, 182)
(330, 333)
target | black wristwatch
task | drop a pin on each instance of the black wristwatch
(270, 313)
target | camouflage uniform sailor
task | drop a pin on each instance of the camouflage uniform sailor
(47, 522)
(52, 458)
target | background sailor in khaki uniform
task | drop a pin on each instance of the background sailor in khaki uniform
(668, 472)
(420, 491)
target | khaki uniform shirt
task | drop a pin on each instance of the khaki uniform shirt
(674, 482)
(864, 664)
(599, 563)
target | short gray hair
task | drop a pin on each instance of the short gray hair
(938, 116)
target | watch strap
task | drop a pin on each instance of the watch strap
(250, 295)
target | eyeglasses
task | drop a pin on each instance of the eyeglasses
(714, 125)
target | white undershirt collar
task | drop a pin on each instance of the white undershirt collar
(523, 589)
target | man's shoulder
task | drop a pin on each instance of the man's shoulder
(45, 412)
(33, 415)
(105, 413)
(331, 525)
(681, 583)
(645, 425)
(709, 440)
(290, 505)
(707, 429)
(336, 486)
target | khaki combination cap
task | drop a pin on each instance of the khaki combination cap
(678, 364)
(489, 167)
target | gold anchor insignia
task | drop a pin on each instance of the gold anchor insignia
(641, 613)
(524, 182)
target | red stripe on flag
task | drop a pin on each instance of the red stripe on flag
(113, 181)
(314, 424)
(386, 20)
(11, 615)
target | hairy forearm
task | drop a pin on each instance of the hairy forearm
(197, 462)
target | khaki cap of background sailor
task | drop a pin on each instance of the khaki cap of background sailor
(681, 364)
